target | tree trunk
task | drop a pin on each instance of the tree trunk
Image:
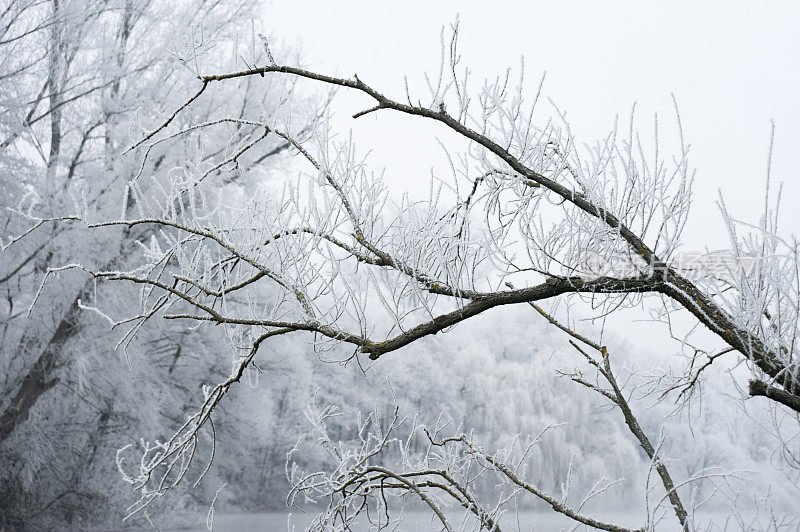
(42, 375)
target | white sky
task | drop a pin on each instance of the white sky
(732, 66)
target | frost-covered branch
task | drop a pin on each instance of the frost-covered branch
(332, 253)
(441, 466)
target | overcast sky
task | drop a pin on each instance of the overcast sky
(732, 66)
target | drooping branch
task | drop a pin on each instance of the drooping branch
(616, 396)
(446, 469)
(669, 281)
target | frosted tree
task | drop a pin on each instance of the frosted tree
(527, 215)
(79, 82)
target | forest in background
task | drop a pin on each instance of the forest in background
(499, 390)
(502, 390)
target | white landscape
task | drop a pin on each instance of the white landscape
(459, 266)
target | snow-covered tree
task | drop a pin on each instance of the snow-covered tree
(527, 216)
(80, 81)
